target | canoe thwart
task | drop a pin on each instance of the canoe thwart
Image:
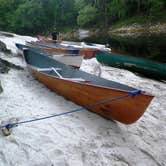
(60, 76)
(47, 69)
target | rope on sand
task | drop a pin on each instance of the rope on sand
(130, 94)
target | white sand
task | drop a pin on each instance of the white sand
(79, 139)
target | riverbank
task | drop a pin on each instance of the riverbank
(137, 29)
(142, 40)
(134, 29)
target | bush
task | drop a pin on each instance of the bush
(156, 10)
(87, 15)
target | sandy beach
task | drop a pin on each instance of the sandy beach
(79, 139)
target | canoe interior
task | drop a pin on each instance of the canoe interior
(41, 51)
(68, 72)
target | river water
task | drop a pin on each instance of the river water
(146, 46)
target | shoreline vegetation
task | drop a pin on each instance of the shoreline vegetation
(133, 29)
(125, 30)
(68, 15)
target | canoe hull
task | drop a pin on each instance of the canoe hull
(86, 52)
(67, 59)
(145, 67)
(86, 89)
(127, 110)
(74, 44)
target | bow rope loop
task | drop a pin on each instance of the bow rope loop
(9, 126)
(136, 92)
(130, 94)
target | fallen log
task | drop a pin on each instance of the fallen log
(1, 89)
(5, 66)
(3, 48)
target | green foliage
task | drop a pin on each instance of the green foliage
(7, 8)
(117, 9)
(67, 13)
(157, 8)
(29, 17)
(87, 16)
(38, 16)
(79, 4)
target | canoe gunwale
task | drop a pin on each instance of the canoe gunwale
(92, 85)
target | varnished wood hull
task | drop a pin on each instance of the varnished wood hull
(74, 44)
(86, 52)
(127, 110)
(67, 59)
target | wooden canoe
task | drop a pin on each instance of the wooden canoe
(57, 48)
(74, 44)
(75, 85)
(139, 65)
(68, 59)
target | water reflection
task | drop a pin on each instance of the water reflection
(146, 46)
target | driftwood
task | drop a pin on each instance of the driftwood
(3, 48)
(1, 89)
(5, 66)
(7, 34)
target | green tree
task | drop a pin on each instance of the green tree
(157, 8)
(87, 16)
(117, 9)
(79, 4)
(7, 8)
(37, 16)
(29, 17)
